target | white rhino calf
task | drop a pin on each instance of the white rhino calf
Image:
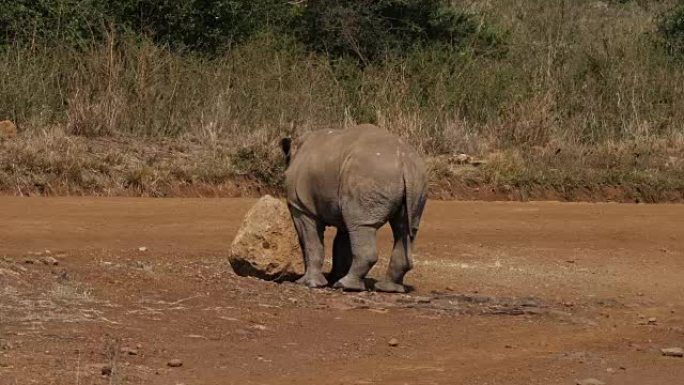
(356, 180)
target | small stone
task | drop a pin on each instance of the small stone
(129, 351)
(672, 352)
(50, 261)
(652, 321)
(393, 342)
(106, 370)
(28, 261)
(175, 363)
(423, 299)
(590, 381)
(611, 370)
(462, 159)
(142, 249)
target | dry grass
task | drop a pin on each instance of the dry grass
(582, 104)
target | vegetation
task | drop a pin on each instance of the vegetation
(556, 99)
(671, 29)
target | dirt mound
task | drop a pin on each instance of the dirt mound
(266, 245)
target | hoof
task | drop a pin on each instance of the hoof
(350, 284)
(313, 281)
(390, 287)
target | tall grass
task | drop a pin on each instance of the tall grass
(581, 86)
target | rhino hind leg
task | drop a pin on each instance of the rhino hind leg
(342, 256)
(310, 234)
(365, 255)
(400, 261)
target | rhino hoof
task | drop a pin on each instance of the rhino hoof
(313, 281)
(390, 287)
(350, 284)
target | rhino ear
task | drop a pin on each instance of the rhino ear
(286, 146)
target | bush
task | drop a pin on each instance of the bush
(201, 25)
(71, 21)
(198, 25)
(367, 30)
(671, 30)
(371, 30)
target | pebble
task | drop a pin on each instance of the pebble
(590, 381)
(106, 370)
(393, 342)
(175, 363)
(142, 248)
(673, 352)
(652, 320)
(50, 261)
(129, 351)
(423, 299)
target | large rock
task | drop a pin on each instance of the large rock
(266, 245)
(7, 130)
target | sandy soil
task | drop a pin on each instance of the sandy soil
(505, 293)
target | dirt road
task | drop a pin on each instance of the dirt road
(505, 293)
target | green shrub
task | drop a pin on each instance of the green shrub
(371, 30)
(201, 25)
(72, 21)
(671, 30)
(198, 25)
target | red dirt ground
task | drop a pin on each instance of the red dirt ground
(505, 293)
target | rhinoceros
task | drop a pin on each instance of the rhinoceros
(355, 179)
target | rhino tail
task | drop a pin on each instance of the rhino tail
(414, 203)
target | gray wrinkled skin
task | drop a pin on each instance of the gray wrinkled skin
(356, 180)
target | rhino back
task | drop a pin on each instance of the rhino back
(362, 164)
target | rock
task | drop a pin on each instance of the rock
(266, 244)
(652, 321)
(142, 249)
(462, 159)
(6, 345)
(672, 352)
(393, 342)
(423, 299)
(7, 130)
(50, 261)
(175, 363)
(106, 370)
(590, 381)
(129, 351)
